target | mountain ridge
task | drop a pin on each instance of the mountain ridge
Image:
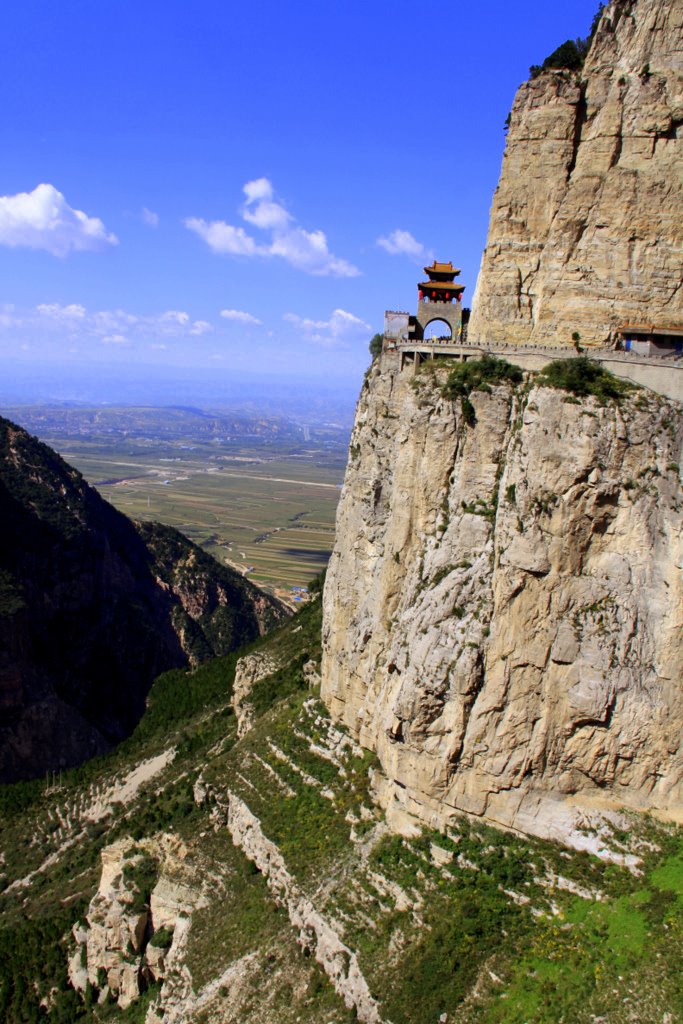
(92, 611)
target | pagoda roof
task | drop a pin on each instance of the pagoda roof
(442, 268)
(451, 286)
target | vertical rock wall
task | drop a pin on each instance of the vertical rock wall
(504, 603)
(586, 231)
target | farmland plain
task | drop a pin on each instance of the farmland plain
(259, 496)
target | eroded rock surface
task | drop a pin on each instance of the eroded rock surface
(315, 933)
(585, 231)
(503, 606)
(248, 671)
(129, 934)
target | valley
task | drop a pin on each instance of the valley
(313, 721)
(259, 495)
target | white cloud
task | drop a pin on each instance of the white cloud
(43, 219)
(402, 243)
(224, 238)
(108, 326)
(65, 314)
(200, 327)
(239, 317)
(260, 209)
(339, 328)
(305, 250)
(259, 188)
(149, 217)
(174, 316)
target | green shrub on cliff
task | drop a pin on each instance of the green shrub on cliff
(571, 54)
(478, 375)
(582, 376)
(375, 345)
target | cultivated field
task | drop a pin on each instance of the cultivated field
(264, 506)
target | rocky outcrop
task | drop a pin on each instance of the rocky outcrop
(129, 933)
(502, 612)
(585, 233)
(315, 933)
(248, 671)
(93, 608)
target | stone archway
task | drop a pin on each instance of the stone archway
(437, 328)
(448, 312)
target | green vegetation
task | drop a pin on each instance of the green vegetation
(315, 586)
(478, 375)
(43, 490)
(32, 963)
(375, 345)
(11, 597)
(162, 938)
(582, 376)
(612, 959)
(141, 875)
(571, 54)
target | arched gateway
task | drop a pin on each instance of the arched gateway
(439, 298)
(437, 328)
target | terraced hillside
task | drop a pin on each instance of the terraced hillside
(227, 864)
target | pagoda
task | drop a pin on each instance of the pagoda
(441, 286)
(439, 298)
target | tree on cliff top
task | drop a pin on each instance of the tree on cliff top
(571, 54)
(375, 345)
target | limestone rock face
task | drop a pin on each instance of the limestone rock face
(585, 231)
(249, 670)
(503, 606)
(115, 951)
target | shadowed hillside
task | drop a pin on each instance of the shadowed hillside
(93, 608)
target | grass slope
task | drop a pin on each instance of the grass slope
(477, 924)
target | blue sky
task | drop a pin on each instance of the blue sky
(236, 188)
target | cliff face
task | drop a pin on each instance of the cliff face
(503, 607)
(585, 231)
(91, 610)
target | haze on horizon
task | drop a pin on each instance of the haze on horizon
(195, 204)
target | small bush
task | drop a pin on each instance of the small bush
(474, 375)
(582, 376)
(141, 876)
(468, 413)
(375, 346)
(571, 54)
(162, 938)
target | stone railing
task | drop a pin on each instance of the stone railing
(649, 371)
